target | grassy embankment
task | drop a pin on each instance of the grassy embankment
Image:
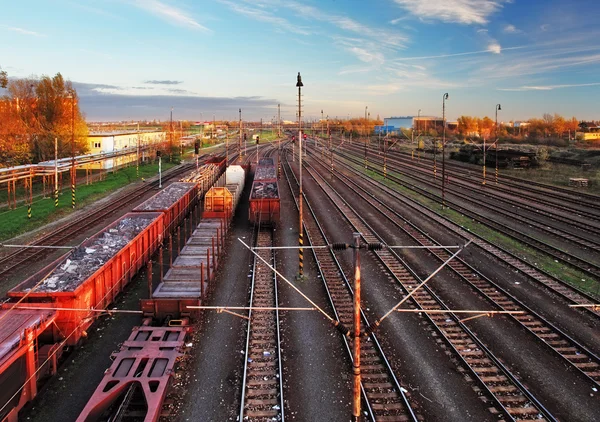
(537, 259)
(15, 222)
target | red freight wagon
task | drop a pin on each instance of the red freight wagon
(264, 202)
(25, 346)
(92, 275)
(174, 201)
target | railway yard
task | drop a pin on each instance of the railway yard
(193, 301)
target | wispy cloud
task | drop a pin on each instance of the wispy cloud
(548, 87)
(163, 82)
(511, 29)
(368, 56)
(459, 11)
(260, 14)
(465, 53)
(22, 31)
(170, 14)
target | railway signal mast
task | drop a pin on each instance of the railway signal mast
(299, 84)
(444, 98)
(498, 107)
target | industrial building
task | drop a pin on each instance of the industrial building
(108, 142)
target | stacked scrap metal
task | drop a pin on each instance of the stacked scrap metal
(264, 190)
(87, 258)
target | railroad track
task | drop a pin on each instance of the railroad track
(504, 393)
(560, 287)
(262, 386)
(590, 269)
(20, 257)
(473, 194)
(577, 198)
(544, 195)
(583, 359)
(385, 398)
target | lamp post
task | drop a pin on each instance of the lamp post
(444, 98)
(240, 127)
(299, 84)
(171, 135)
(73, 177)
(496, 133)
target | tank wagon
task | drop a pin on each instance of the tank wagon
(146, 361)
(52, 309)
(264, 195)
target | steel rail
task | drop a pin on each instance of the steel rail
(262, 384)
(579, 356)
(416, 173)
(557, 192)
(508, 393)
(588, 268)
(384, 400)
(560, 287)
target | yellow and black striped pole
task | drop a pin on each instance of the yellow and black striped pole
(56, 197)
(29, 211)
(73, 195)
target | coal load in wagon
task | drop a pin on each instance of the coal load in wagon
(85, 260)
(166, 197)
(265, 173)
(266, 161)
(265, 190)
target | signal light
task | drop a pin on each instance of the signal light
(157, 153)
(305, 136)
(257, 140)
(196, 147)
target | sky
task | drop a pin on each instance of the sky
(137, 59)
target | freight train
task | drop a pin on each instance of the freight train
(51, 310)
(264, 196)
(144, 366)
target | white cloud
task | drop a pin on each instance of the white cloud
(170, 14)
(494, 47)
(511, 29)
(22, 31)
(368, 56)
(459, 11)
(548, 87)
(262, 15)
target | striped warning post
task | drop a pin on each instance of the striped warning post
(300, 255)
(73, 195)
(29, 211)
(56, 197)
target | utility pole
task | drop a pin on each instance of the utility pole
(299, 84)
(357, 336)
(240, 126)
(498, 107)
(170, 136)
(137, 153)
(444, 98)
(279, 123)
(73, 173)
(55, 172)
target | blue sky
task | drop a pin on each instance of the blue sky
(135, 59)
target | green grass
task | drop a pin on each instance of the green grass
(15, 222)
(558, 175)
(537, 259)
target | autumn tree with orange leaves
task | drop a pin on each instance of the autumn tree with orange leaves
(33, 114)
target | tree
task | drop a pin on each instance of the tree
(35, 113)
(3, 78)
